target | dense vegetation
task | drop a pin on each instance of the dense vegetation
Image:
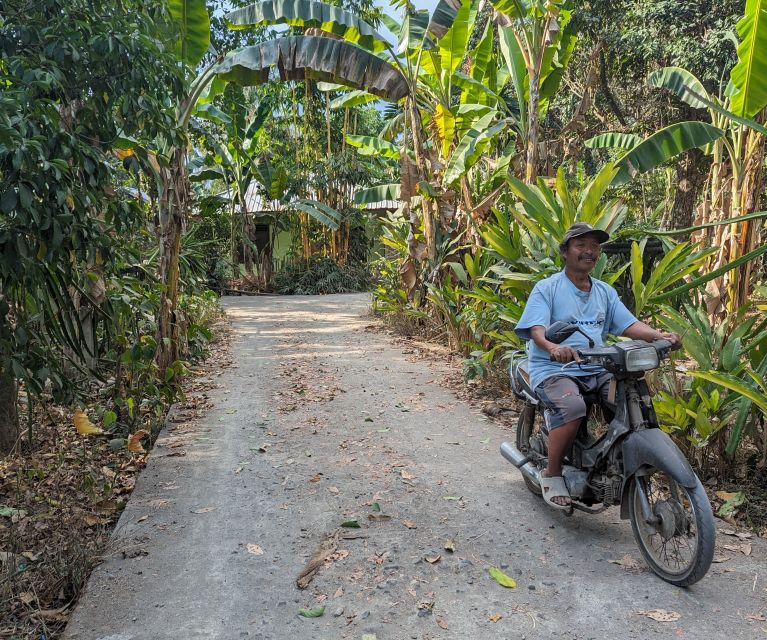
(150, 156)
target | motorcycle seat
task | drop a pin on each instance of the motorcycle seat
(520, 381)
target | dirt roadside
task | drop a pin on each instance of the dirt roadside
(320, 423)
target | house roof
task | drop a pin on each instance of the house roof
(256, 203)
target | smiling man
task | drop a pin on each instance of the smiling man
(573, 296)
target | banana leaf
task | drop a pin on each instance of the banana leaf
(309, 13)
(377, 194)
(614, 140)
(413, 33)
(682, 83)
(320, 212)
(749, 75)
(452, 46)
(193, 21)
(471, 147)
(318, 58)
(515, 63)
(373, 146)
(443, 17)
(664, 145)
(352, 99)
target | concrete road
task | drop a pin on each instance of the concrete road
(321, 422)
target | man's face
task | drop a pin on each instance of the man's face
(582, 253)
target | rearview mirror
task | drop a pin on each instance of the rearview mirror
(560, 331)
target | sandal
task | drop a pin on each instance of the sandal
(555, 487)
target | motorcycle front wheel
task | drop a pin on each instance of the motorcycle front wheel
(678, 541)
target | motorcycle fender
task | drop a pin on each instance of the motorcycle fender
(653, 447)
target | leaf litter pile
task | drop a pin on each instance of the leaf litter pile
(60, 500)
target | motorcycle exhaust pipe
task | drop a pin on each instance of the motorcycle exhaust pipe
(521, 462)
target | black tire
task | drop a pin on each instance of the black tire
(525, 427)
(689, 511)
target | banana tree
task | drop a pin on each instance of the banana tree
(191, 17)
(735, 177)
(537, 43)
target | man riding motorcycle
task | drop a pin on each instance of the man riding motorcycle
(573, 296)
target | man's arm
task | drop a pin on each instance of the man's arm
(559, 352)
(641, 331)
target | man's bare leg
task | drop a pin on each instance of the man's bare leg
(560, 441)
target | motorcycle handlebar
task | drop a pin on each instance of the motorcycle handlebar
(663, 346)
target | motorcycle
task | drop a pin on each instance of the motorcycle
(628, 462)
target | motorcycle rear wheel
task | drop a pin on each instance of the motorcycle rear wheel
(680, 546)
(525, 428)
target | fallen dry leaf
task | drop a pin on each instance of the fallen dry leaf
(142, 518)
(203, 510)
(406, 475)
(134, 441)
(442, 624)
(316, 478)
(450, 546)
(339, 592)
(333, 490)
(495, 618)
(83, 425)
(756, 617)
(433, 559)
(409, 524)
(378, 517)
(629, 563)
(660, 615)
(744, 548)
(254, 549)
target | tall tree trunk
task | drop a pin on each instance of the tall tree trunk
(428, 206)
(248, 237)
(173, 207)
(533, 126)
(9, 419)
(748, 231)
(691, 172)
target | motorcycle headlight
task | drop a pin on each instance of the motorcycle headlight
(642, 359)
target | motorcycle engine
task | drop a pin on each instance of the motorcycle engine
(606, 489)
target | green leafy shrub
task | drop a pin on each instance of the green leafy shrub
(322, 276)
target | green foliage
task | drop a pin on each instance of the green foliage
(724, 352)
(697, 415)
(749, 75)
(68, 98)
(322, 276)
(545, 213)
(680, 261)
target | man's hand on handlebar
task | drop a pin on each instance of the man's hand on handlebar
(564, 354)
(673, 338)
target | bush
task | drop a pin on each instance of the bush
(322, 276)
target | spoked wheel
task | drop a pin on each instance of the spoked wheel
(678, 540)
(525, 429)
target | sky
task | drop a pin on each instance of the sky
(397, 14)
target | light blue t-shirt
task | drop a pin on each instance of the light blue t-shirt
(597, 313)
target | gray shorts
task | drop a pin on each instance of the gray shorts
(563, 396)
